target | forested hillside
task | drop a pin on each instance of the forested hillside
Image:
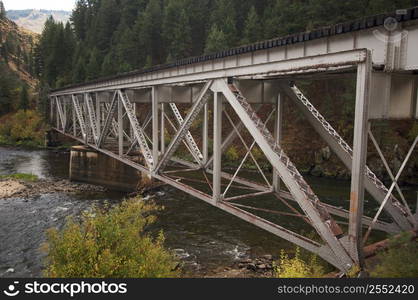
(16, 63)
(113, 36)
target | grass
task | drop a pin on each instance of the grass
(20, 176)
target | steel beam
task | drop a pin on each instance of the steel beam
(282, 67)
(155, 150)
(278, 136)
(80, 118)
(178, 138)
(194, 149)
(344, 152)
(109, 119)
(120, 126)
(300, 190)
(138, 131)
(217, 141)
(205, 134)
(162, 129)
(355, 245)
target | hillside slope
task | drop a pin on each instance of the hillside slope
(34, 20)
(16, 46)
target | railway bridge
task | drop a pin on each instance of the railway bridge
(146, 118)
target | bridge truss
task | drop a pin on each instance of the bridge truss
(172, 126)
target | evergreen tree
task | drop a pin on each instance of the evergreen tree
(107, 22)
(252, 29)
(2, 10)
(79, 18)
(216, 40)
(177, 30)
(93, 69)
(225, 17)
(79, 72)
(149, 32)
(113, 36)
(109, 66)
(24, 98)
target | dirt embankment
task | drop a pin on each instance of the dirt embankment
(22, 189)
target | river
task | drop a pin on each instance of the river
(203, 236)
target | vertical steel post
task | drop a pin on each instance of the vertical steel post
(217, 142)
(162, 129)
(205, 134)
(278, 137)
(51, 110)
(355, 245)
(74, 118)
(64, 108)
(120, 126)
(154, 126)
(57, 113)
(98, 115)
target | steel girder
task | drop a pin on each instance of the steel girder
(137, 130)
(184, 129)
(320, 219)
(341, 148)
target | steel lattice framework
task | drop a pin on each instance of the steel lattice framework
(128, 119)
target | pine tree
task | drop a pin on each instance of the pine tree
(177, 30)
(24, 98)
(78, 19)
(216, 40)
(107, 22)
(109, 66)
(2, 10)
(149, 33)
(93, 68)
(225, 17)
(252, 29)
(79, 73)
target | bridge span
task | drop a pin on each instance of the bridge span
(144, 118)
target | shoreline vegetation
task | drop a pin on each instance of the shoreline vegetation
(25, 128)
(115, 235)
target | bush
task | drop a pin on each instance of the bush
(296, 267)
(109, 244)
(401, 260)
(232, 154)
(23, 128)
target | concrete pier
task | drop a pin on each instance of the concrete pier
(90, 166)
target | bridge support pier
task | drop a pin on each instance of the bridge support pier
(90, 166)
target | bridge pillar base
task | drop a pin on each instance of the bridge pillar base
(90, 166)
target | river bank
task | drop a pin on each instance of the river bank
(27, 189)
(24, 191)
(209, 242)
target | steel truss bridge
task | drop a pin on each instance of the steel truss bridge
(145, 118)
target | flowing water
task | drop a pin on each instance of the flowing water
(204, 237)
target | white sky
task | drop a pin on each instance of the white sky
(39, 4)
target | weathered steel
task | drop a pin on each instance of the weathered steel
(197, 106)
(342, 149)
(103, 126)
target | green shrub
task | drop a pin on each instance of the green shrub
(20, 176)
(109, 244)
(23, 128)
(401, 260)
(232, 154)
(297, 267)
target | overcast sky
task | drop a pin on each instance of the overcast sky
(39, 4)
